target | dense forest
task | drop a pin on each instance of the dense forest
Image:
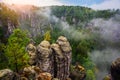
(81, 14)
(87, 30)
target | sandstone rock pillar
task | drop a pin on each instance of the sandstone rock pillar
(58, 62)
(32, 53)
(44, 57)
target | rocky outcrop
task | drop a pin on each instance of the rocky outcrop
(67, 52)
(52, 58)
(35, 73)
(44, 57)
(29, 72)
(77, 72)
(64, 44)
(6, 74)
(49, 62)
(62, 58)
(32, 53)
(44, 76)
(58, 62)
(115, 69)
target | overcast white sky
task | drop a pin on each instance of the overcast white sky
(95, 4)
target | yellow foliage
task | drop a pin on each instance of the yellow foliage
(47, 36)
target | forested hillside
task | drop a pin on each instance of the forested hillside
(93, 35)
(77, 14)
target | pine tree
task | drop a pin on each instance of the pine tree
(15, 50)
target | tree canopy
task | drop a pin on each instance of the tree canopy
(16, 50)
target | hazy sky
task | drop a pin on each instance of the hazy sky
(95, 4)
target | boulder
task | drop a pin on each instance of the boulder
(115, 69)
(29, 72)
(6, 74)
(77, 73)
(44, 76)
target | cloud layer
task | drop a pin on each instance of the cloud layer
(107, 4)
(103, 59)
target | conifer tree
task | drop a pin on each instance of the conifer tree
(15, 50)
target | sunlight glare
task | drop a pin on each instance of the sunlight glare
(35, 2)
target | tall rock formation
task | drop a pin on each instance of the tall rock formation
(47, 62)
(67, 52)
(115, 69)
(54, 59)
(62, 58)
(32, 53)
(44, 57)
(58, 62)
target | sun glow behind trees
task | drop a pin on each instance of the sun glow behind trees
(35, 2)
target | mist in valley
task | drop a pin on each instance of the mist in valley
(97, 37)
(107, 29)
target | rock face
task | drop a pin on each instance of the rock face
(44, 76)
(6, 74)
(115, 69)
(64, 44)
(44, 57)
(52, 59)
(62, 51)
(58, 62)
(78, 73)
(32, 53)
(55, 58)
(35, 73)
(47, 62)
(29, 72)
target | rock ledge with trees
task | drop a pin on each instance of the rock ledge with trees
(46, 62)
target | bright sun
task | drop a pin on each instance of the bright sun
(34, 2)
(20, 1)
